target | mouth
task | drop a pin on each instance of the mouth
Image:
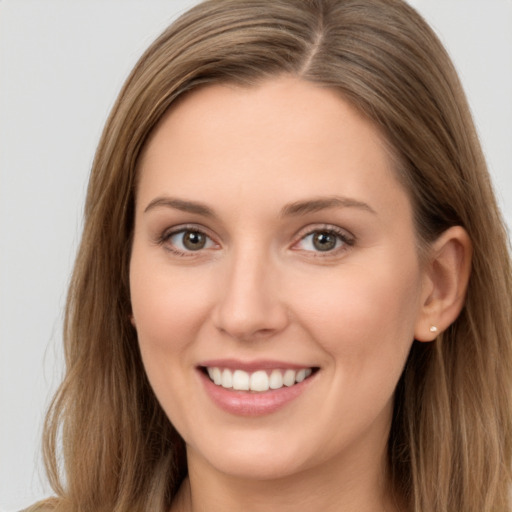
(258, 381)
(255, 388)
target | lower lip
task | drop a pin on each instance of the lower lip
(243, 403)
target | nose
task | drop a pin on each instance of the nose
(250, 305)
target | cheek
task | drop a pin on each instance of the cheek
(363, 314)
(168, 314)
(166, 306)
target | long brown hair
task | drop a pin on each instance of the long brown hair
(108, 444)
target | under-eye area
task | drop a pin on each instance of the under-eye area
(257, 381)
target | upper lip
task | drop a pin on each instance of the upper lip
(251, 366)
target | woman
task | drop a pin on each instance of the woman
(293, 282)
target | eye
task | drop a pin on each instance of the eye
(188, 240)
(324, 240)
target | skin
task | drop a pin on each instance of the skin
(260, 289)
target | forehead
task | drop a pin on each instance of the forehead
(284, 134)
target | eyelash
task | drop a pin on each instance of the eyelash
(341, 235)
(168, 234)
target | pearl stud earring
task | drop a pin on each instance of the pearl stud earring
(433, 328)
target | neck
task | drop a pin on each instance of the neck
(348, 486)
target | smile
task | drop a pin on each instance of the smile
(258, 381)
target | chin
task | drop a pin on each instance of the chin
(270, 468)
(254, 460)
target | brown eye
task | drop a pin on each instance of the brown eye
(189, 240)
(324, 241)
(193, 240)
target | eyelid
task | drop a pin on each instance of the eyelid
(166, 234)
(345, 236)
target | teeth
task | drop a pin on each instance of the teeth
(276, 379)
(215, 375)
(240, 380)
(301, 375)
(289, 378)
(227, 379)
(259, 381)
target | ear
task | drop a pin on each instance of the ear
(445, 283)
(132, 320)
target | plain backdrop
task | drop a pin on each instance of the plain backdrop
(61, 66)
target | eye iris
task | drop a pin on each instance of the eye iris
(324, 241)
(194, 241)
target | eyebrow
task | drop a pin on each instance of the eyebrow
(296, 208)
(182, 205)
(323, 203)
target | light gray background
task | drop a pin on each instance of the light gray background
(61, 66)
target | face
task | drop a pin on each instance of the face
(275, 279)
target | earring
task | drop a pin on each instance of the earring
(433, 328)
